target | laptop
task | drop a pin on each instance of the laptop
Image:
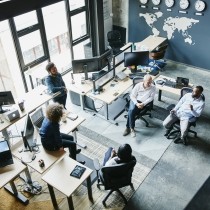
(182, 82)
(5, 154)
(37, 118)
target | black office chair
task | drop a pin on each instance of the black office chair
(115, 177)
(175, 132)
(146, 111)
(115, 42)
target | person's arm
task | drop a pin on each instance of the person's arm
(181, 101)
(57, 135)
(134, 92)
(197, 112)
(51, 86)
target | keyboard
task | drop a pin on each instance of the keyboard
(169, 83)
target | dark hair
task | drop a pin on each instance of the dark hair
(200, 88)
(125, 152)
(49, 66)
(54, 112)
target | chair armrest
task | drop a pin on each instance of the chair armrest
(170, 107)
(96, 164)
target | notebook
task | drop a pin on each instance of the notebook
(37, 118)
(5, 154)
(78, 171)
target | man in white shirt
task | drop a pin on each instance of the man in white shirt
(142, 94)
(187, 110)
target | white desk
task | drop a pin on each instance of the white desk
(33, 100)
(172, 90)
(150, 43)
(59, 177)
(9, 174)
(49, 157)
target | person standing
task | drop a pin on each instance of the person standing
(55, 83)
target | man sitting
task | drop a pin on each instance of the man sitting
(187, 110)
(142, 94)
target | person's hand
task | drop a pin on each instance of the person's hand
(172, 111)
(140, 105)
(114, 153)
(61, 149)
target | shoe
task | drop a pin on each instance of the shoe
(127, 131)
(133, 134)
(78, 151)
(177, 140)
(82, 162)
(167, 132)
(184, 141)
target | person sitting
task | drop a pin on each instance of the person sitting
(55, 83)
(51, 137)
(123, 155)
(187, 110)
(141, 95)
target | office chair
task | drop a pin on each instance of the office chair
(156, 56)
(146, 111)
(115, 42)
(115, 177)
(176, 126)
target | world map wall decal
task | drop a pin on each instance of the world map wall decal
(170, 25)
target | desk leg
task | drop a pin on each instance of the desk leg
(75, 139)
(70, 202)
(52, 195)
(13, 190)
(89, 188)
(106, 114)
(159, 95)
(82, 101)
(28, 176)
(5, 135)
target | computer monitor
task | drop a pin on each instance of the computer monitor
(85, 66)
(5, 154)
(6, 98)
(106, 60)
(28, 135)
(136, 59)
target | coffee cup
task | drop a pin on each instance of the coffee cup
(21, 105)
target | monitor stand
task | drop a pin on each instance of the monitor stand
(85, 72)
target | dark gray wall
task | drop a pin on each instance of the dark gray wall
(195, 54)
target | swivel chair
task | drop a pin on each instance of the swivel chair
(176, 126)
(115, 42)
(146, 111)
(115, 177)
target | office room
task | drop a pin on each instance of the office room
(166, 175)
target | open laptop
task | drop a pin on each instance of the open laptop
(5, 154)
(37, 118)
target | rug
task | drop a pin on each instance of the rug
(80, 197)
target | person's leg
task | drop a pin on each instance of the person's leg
(107, 155)
(168, 123)
(133, 110)
(68, 141)
(184, 125)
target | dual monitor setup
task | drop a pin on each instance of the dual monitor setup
(109, 61)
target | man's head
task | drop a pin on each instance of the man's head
(125, 152)
(51, 68)
(197, 91)
(54, 112)
(147, 81)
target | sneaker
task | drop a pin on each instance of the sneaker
(133, 134)
(82, 162)
(127, 131)
(78, 151)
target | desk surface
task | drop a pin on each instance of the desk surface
(49, 157)
(150, 43)
(33, 100)
(63, 181)
(9, 172)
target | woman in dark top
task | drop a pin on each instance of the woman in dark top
(51, 137)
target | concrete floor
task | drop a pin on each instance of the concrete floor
(178, 171)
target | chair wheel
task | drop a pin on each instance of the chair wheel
(104, 203)
(98, 185)
(116, 124)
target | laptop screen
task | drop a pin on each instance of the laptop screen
(37, 116)
(5, 154)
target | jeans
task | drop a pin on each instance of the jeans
(61, 100)
(68, 141)
(132, 112)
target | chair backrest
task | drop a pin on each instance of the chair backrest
(113, 36)
(117, 176)
(137, 79)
